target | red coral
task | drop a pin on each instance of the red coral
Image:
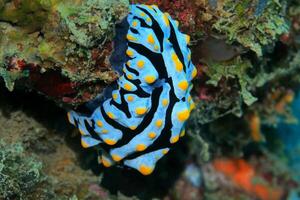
(52, 84)
(243, 174)
(16, 64)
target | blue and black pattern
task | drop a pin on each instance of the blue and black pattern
(147, 113)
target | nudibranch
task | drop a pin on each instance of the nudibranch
(146, 115)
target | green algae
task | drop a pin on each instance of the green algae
(27, 13)
(19, 174)
(10, 77)
(16, 42)
(92, 20)
(57, 34)
(239, 23)
(236, 68)
(13, 44)
(286, 68)
(22, 176)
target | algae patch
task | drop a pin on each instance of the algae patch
(237, 68)
(239, 22)
(92, 21)
(20, 174)
(72, 38)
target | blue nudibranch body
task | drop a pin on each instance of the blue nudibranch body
(147, 113)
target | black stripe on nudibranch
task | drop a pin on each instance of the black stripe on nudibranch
(173, 39)
(122, 107)
(155, 58)
(140, 93)
(134, 30)
(90, 129)
(163, 140)
(131, 70)
(146, 120)
(155, 27)
(142, 21)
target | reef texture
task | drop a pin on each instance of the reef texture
(237, 146)
(58, 48)
(147, 113)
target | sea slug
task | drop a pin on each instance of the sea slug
(146, 114)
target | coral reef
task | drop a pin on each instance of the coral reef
(59, 48)
(246, 93)
(19, 176)
(35, 162)
(252, 27)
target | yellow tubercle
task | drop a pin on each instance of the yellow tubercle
(104, 131)
(192, 106)
(140, 64)
(177, 62)
(111, 115)
(148, 6)
(194, 73)
(130, 37)
(152, 135)
(129, 53)
(165, 102)
(115, 96)
(141, 110)
(183, 85)
(81, 132)
(159, 123)
(127, 87)
(69, 117)
(183, 115)
(178, 66)
(174, 139)
(140, 147)
(174, 57)
(84, 144)
(134, 23)
(110, 141)
(129, 76)
(187, 39)
(130, 98)
(150, 39)
(132, 127)
(166, 20)
(116, 157)
(165, 151)
(145, 170)
(99, 123)
(150, 79)
(106, 162)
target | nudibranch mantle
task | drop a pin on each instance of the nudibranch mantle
(147, 113)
